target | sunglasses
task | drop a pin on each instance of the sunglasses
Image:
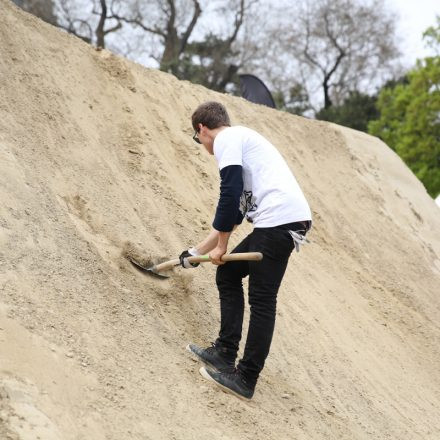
(196, 138)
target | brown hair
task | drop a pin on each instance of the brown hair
(212, 114)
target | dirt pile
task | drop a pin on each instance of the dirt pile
(96, 152)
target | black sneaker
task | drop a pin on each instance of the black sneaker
(230, 382)
(219, 358)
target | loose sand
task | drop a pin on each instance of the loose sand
(96, 152)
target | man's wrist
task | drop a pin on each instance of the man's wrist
(223, 240)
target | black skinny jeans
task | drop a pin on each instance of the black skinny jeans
(265, 277)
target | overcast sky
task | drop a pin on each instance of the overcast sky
(415, 17)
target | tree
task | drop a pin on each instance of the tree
(338, 46)
(162, 33)
(355, 111)
(358, 109)
(213, 61)
(91, 21)
(410, 119)
(43, 9)
(101, 30)
(94, 20)
(209, 63)
(432, 37)
(173, 23)
(295, 100)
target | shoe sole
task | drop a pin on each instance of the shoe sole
(197, 357)
(207, 376)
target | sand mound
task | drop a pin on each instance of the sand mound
(96, 152)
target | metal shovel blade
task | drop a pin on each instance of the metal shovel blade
(149, 270)
(158, 269)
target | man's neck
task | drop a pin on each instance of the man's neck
(215, 131)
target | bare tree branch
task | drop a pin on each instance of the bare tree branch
(184, 38)
(166, 28)
(328, 75)
(344, 44)
(100, 35)
(138, 22)
(238, 22)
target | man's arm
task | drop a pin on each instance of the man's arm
(209, 243)
(227, 215)
(213, 240)
(231, 187)
(221, 248)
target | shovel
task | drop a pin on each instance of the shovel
(158, 268)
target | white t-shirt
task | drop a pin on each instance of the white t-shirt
(271, 195)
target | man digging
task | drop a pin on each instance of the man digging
(256, 183)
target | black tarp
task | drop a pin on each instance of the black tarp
(254, 90)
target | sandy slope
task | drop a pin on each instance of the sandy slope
(96, 151)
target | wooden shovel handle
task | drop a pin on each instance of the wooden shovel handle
(244, 256)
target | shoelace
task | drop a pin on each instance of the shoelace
(236, 373)
(233, 373)
(212, 348)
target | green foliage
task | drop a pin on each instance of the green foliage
(410, 121)
(432, 36)
(355, 112)
(295, 101)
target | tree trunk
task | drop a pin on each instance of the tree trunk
(170, 55)
(327, 101)
(100, 33)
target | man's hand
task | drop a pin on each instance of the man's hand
(216, 255)
(183, 257)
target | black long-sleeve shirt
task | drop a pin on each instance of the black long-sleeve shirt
(228, 209)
